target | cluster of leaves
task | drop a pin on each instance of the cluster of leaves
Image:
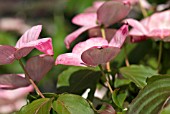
(100, 68)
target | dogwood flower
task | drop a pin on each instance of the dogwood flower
(107, 14)
(157, 27)
(94, 51)
(28, 41)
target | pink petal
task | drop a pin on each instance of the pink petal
(155, 23)
(30, 35)
(12, 81)
(71, 37)
(13, 100)
(6, 54)
(69, 59)
(119, 37)
(159, 33)
(38, 66)
(85, 19)
(137, 25)
(111, 12)
(82, 46)
(99, 55)
(43, 45)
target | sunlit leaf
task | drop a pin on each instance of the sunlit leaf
(40, 106)
(137, 74)
(71, 104)
(166, 110)
(151, 98)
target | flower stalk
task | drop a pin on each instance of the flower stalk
(159, 55)
(30, 80)
(144, 12)
(126, 57)
(104, 37)
(107, 80)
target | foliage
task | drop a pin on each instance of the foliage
(98, 57)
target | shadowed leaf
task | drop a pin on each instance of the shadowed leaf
(111, 12)
(12, 81)
(38, 66)
(6, 54)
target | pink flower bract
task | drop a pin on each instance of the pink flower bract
(28, 41)
(107, 14)
(157, 27)
(94, 51)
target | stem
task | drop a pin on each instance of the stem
(30, 80)
(144, 12)
(160, 55)
(126, 57)
(104, 37)
(103, 32)
(107, 81)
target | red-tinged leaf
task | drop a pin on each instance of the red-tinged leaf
(22, 52)
(72, 36)
(69, 59)
(96, 32)
(85, 19)
(12, 81)
(108, 110)
(111, 12)
(82, 46)
(99, 55)
(38, 66)
(6, 54)
(30, 35)
(119, 37)
(138, 38)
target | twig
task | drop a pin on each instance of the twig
(30, 80)
(160, 55)
(107, 81)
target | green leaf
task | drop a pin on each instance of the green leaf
(121, 82)
(151, 98)
(137, 74)
(40, 106)
(63, 78)
(71, 104)
(118, 99)
(81, 80)
(166, 110)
